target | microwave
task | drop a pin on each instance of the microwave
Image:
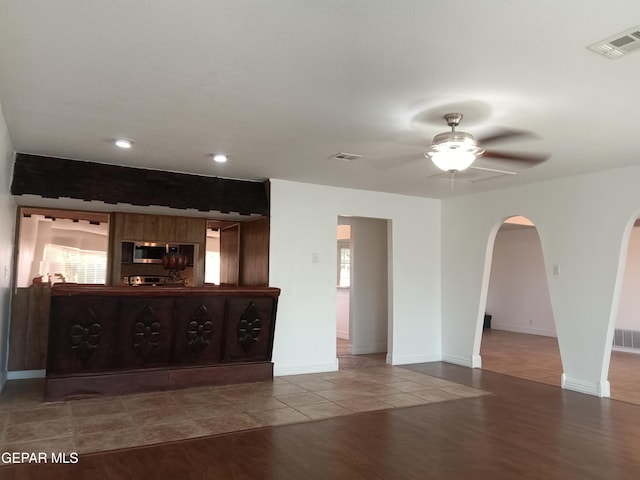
(151, 252)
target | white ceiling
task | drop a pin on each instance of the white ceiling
(281, 85)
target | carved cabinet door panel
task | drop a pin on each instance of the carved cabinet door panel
(144, 333)
(81, 334)
(249, 329)
(198, 323)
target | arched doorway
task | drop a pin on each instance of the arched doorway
(624, 365)
(520, 339)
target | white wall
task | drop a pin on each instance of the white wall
(518, 291)
(629, 312)
(7, 223)
(518, 296)
(584, 224)
(369, 286)
(303, 222)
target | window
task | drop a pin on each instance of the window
(72, 264)
(344, 263)
(62, 244)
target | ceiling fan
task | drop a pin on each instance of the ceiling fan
(456, 150)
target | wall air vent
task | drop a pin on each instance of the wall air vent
(626, 339)
(345, 157)
(618, 45)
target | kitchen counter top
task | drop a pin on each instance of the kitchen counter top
(74, 289)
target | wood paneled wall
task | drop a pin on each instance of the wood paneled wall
(254, 253)
(244, 253)
(29, 328)
(230, 255)
(156, 228)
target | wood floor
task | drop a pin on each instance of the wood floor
(537, 358)
(523, 430)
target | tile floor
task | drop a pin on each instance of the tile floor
(364, 383)
(537, 358)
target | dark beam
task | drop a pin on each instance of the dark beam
(59, 178)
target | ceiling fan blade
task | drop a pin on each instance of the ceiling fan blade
(495, 170)
(527, 158)
(505, 134)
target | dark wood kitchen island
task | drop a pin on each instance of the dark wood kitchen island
(118, 340)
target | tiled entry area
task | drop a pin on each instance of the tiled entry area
(29, 424)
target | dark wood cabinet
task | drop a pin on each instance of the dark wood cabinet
(127, 253)
(85, 331)
(199, 325)
(188, 251)
(247, 336)
(144, 332)
(107, 340)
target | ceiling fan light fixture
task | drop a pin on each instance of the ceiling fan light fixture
(452, 161)
(453, 151)
(455, 137)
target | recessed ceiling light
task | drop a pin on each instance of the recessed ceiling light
(123, 143)
(219, 158)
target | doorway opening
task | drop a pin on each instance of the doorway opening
(519, 332)
(362, 316)
(624, 364)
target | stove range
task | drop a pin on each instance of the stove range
(149, 280)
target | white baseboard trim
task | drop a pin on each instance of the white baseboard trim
(602, 389)
(520, 329)
(25, 374)
(474, 361)
(635, 351)
(411, 359)
(283, 370)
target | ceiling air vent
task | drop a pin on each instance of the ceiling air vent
(618, 45)
(345, 157)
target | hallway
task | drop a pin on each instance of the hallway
(537, 358)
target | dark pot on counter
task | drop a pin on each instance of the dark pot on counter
(174, 261)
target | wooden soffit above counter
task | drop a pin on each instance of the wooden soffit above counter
(51, 177)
